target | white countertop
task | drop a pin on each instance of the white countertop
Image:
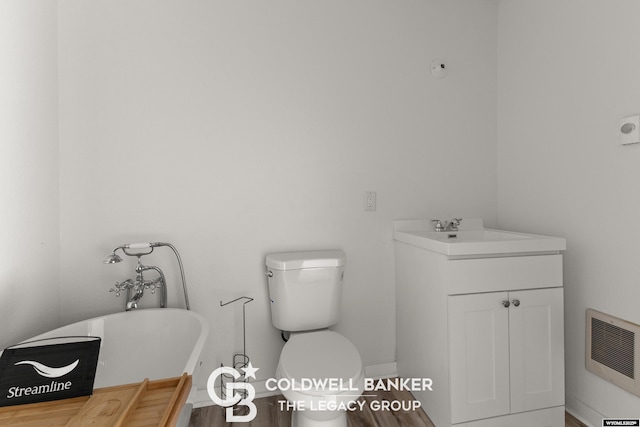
(473, 240)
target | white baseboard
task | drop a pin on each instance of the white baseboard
(582, 412)
(375, 371)
(381, 370)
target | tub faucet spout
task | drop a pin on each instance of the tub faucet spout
(137, 296)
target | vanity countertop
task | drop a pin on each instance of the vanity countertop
(473, 240)
(149, 403)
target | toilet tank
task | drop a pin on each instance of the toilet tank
(305, 289)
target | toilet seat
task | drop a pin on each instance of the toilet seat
(321, 355)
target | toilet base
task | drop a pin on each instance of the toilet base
(300, 419)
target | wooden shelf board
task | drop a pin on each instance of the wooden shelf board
(149, 403)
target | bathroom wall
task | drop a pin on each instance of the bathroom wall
(567, 73)
(176, 119)
(234, 129)
(29, 292)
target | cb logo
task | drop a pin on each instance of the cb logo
(232, 398)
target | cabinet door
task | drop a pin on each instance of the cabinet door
(536, 329)
(479, 356)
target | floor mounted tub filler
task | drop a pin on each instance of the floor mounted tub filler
(149, 343)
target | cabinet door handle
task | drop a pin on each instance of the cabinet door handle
(506, 303)
(516, 302)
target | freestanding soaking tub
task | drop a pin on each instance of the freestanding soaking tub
(150, 343)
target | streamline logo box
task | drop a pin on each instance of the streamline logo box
(49, 369)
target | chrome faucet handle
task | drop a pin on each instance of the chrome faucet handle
(153, 284)
(121, 286)
(438, 225)
(118, 287)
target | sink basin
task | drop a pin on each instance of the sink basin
(476, 242)
(485, 235)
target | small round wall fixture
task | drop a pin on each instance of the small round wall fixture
(438, 68)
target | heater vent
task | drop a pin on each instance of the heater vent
(613, 350)
(612, 346)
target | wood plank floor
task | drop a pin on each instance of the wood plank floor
(269, 414)
(570, 421)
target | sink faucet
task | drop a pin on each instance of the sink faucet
(451, 225)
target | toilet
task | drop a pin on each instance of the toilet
(320, 372)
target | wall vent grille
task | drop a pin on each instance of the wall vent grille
(613, 350)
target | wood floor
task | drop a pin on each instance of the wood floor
(570, 421)
(269, 414)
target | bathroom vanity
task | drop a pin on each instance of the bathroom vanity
(480, 312)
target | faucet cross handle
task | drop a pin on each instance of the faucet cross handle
(121, 286)
(117, 289)
(153, 284)
(438, 225)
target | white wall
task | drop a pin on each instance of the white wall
(233, 129)
(567, 72)
(176, 119)
(29, 289)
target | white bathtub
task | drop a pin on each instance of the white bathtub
(147, 343)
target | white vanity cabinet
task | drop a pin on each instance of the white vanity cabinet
(487, 329)
(506, 353)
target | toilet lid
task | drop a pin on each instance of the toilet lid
(324, 354)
